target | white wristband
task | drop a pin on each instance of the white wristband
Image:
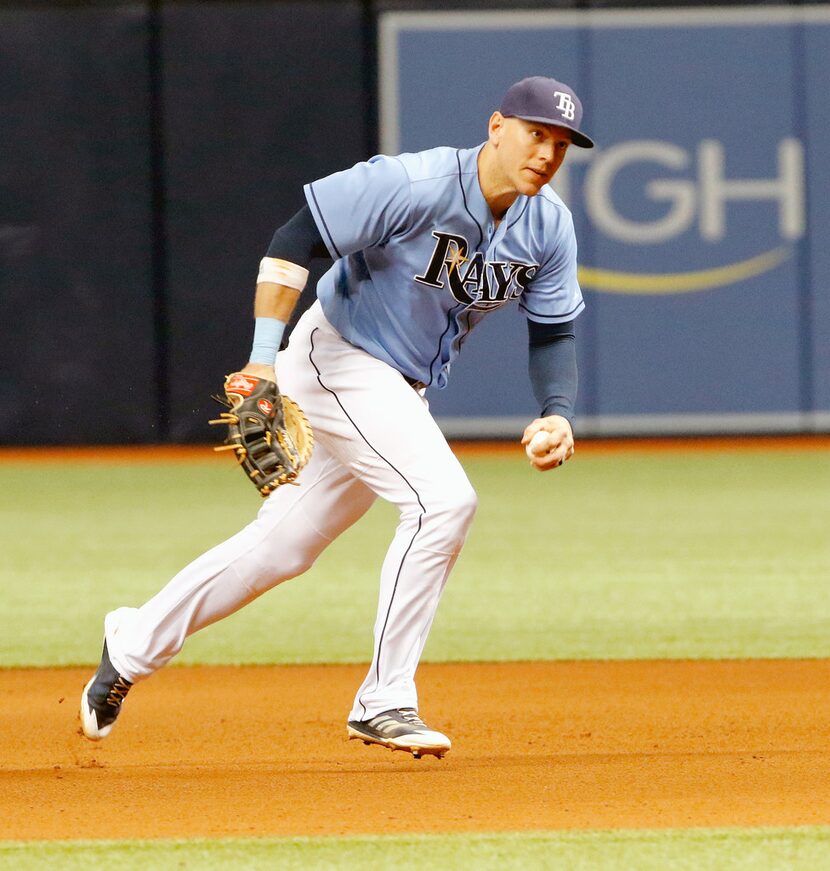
(282, 272)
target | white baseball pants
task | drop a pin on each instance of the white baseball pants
(374, 436)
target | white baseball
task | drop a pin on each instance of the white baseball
(540, 444)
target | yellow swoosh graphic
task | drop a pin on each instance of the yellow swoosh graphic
(681, 282)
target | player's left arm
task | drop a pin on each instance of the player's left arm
(283, 273)
(554, 379)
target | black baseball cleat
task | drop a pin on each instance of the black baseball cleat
(102, 699)
(400, 729)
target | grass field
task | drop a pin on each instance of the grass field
(806, 849)
(722, 554)
(630, 555)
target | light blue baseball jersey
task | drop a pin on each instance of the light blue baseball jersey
(419, 260)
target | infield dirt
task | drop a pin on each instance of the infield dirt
(224, 751)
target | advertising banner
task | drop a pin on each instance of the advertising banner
(701, 215)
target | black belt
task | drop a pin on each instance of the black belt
(415, 385)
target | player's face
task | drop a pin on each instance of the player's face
(528, 154)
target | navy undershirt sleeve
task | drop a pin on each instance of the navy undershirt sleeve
(298, 240)
(552, 367)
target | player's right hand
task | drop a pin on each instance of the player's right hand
(561, 441)
(261, 370)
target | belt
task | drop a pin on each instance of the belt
(415, 385)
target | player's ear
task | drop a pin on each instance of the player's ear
(495, 127)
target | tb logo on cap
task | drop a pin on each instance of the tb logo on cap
(565, 105)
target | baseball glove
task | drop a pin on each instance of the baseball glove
(269, 434)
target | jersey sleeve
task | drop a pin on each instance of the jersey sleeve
(553, 294)
(360, 207)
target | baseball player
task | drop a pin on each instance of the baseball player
(424, 246)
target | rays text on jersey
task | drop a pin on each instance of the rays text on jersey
(483, 284)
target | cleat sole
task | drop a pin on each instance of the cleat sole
(89, 722)
(418, 742)
(417, 752)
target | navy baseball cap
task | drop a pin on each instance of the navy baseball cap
(548, 102)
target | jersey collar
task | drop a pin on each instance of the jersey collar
(475, 203)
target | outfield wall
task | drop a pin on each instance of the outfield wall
(149, 150)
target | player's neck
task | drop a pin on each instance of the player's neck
(498, 192)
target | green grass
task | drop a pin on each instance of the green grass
(624, 556)
(618, 556)
(669, 850)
